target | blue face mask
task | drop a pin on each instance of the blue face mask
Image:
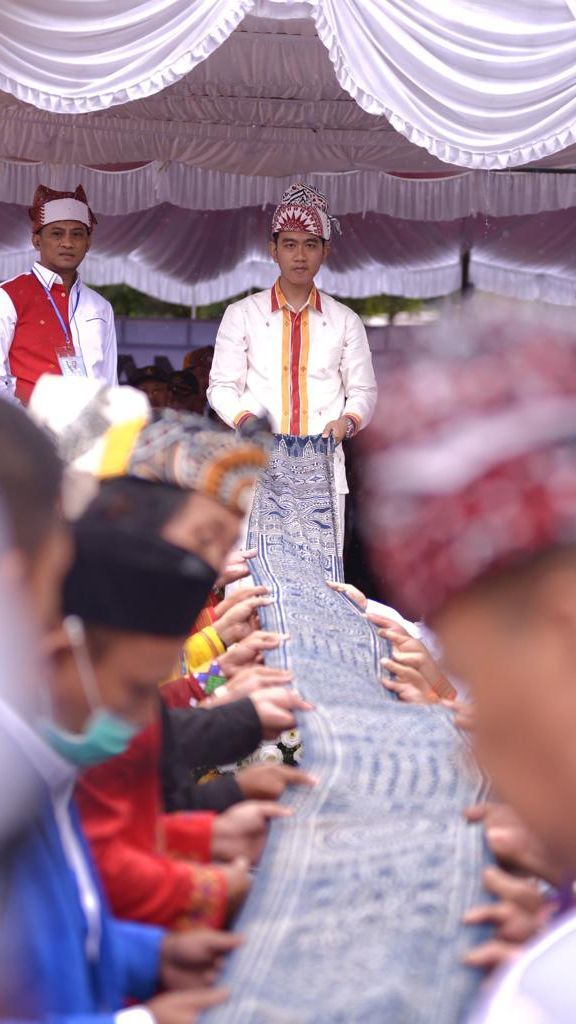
(105, 734)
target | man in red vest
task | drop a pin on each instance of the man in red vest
(50, 322)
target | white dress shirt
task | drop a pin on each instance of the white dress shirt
(539, 987)
(321, 371)
(92, 326)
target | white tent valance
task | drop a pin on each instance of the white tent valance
(450, 197)
(529, 258)
(195, 258)
(479, 84)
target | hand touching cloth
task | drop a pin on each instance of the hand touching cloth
(416, 676)
(236, 568)
(241, 831)
(249, 651)
(237, 616)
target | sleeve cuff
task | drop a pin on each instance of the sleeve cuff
(134, 1015)
(207, 900)
(242, 417)
(216, 644)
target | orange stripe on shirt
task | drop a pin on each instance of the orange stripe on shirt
(286, 335)
(315, 300)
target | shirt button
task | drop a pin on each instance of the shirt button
(63, 294)
(284, 367)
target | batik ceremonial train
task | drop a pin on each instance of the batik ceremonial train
(356, 909)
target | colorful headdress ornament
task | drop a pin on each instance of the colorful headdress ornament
(182, 449)
(104, 432)
(304, 208)
(50, 205)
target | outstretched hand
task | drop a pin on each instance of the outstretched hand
(240, 618)
(269, 781)
(236, 567)
(189, 959)
(512, 842)
(241, 830)
(519, 913)
(275, 707)
(249, 652)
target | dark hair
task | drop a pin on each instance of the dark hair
(140, 505)
(30, 478)
(275, 235)
(184, 380)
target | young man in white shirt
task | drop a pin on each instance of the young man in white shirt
(50, 322)
(292, 352)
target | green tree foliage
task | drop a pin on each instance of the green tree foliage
(384, 305)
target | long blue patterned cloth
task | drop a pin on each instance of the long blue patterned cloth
(355, 913)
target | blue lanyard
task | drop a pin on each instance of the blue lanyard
(59, 317)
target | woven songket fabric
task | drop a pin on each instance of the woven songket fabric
(355, 913)
(473, 467)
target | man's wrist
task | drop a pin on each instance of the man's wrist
(243, 418)
(351, 427)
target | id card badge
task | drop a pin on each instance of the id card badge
(71, 363)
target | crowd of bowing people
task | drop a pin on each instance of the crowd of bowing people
(174, 858)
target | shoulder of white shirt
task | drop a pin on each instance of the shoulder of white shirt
(48, 277)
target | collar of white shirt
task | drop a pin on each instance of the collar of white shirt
(279, 301)
(49, 277)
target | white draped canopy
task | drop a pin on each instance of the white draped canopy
(476, 84)
(186, 119)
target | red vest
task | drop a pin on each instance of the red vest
(38, 333)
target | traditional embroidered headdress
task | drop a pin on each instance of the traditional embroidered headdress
(472, 465)
(182, 449)
(104, 432)
(303, 208)
(49, 205)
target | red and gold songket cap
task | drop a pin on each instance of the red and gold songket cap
(471, 465)
(50, 205)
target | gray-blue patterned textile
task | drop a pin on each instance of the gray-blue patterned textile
(355, 913)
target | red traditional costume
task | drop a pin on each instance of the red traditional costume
(38, 316)
(153, 865)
